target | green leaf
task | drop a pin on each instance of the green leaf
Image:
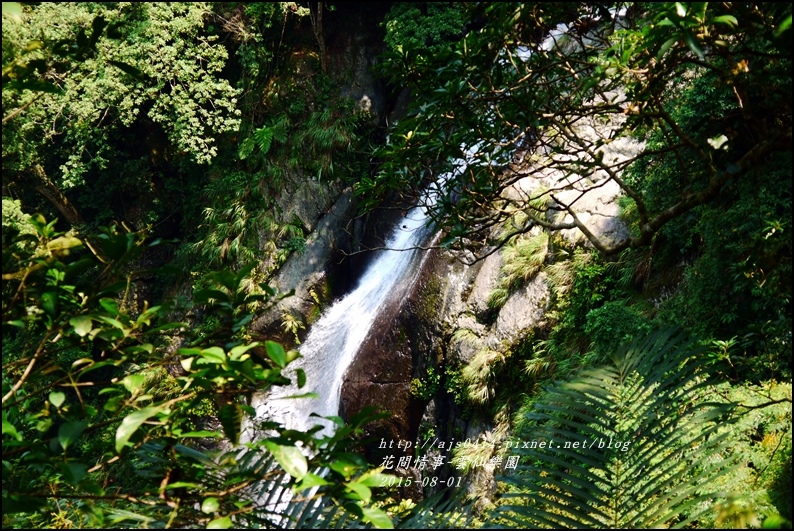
(49, 302)
(220, 523)
(64, 242)
(43, 425)
(289, 457)
(775, 521)
(214, 355)
(10, 429)
(666, 46)
(362, 491)
(656, 479)
(112, 322)
(231, 418)
(73, 472)
(183, 485)
(310, 481)
(133, 382)
(70, 432)
(239, 350)
(784, 25)
(148, 348)
(263, 137)
(210, 505)
(693, 44)
(92, 487)
(13, 10)
(276, 353)
(377, 518)
(203, 434)
(344, 467)
(292, 355)
(119, 515)
(81, 324)
(301, 375)
(110, 306)
(373, 478)
(246, 147)
(730, 20)
(131, 423)
(56, 398)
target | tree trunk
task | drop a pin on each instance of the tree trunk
(47, 188)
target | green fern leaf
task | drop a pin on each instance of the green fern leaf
(630, 445)
(264, 138)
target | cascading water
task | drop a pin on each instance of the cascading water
(334, 339)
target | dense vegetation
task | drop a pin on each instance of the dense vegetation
(149, 153)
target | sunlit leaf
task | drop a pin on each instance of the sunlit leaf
(10, 429)
(239, 350)
(13, 10)
(220, 523)
(210, 505)
(289, 457)
(374, 478)
(56, 398)
(362, 491)
(276, 353)
(784, 25)
(730, 20)
(131, 423)
(377, 517)
(133, 382)
(309, 481)
(214, 355)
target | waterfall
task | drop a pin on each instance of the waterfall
(334, 339)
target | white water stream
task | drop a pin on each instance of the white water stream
(334, 339)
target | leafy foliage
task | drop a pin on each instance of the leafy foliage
(612, 324)
(633, 444)
(108, 406)
(426, 388)
(179, 87)
(422, 26)
(520, 88)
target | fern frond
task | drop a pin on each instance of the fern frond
(444, 510)
(630, 445)
(263, 138)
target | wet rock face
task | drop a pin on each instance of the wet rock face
(306, 272)
(400, 341)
